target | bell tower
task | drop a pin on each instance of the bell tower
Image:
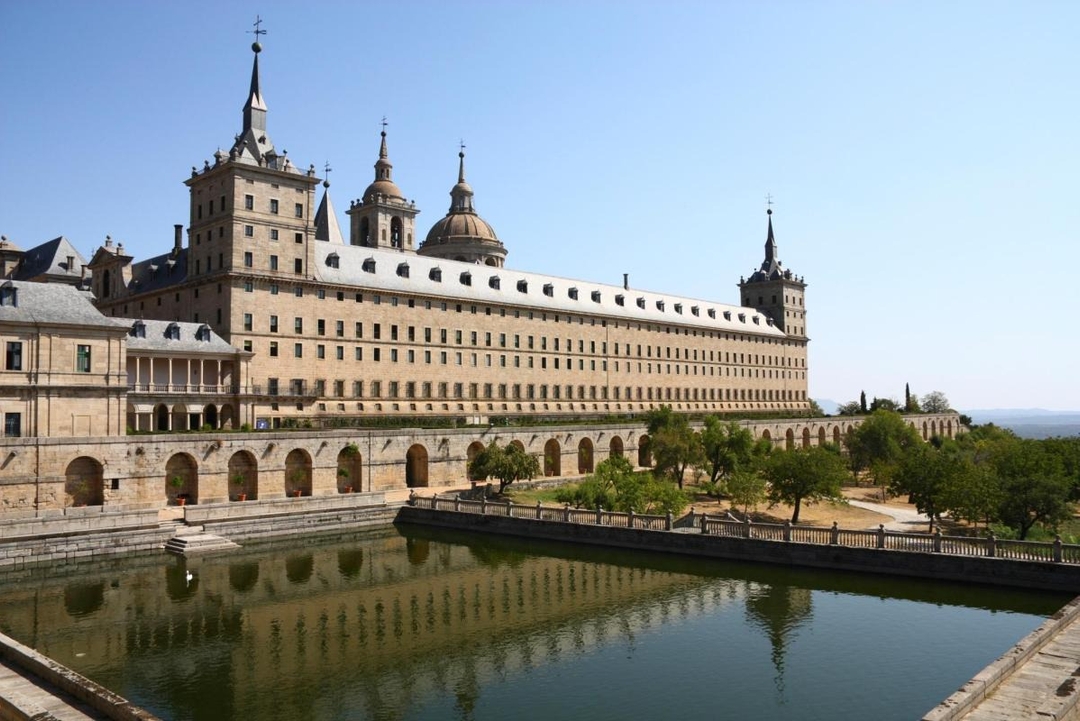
(776, 291)
(382, 218)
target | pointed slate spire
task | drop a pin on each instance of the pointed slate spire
(255, 108)
(384, 169)
(461, 194)
(770, 242)
(326, 225)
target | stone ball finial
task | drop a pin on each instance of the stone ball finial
(256, 47)
(326, 184)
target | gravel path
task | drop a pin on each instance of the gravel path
(903, 519)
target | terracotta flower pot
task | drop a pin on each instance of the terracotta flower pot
(181, 501)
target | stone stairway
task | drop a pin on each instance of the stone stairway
(192, 540)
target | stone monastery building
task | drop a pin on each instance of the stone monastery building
(384, 324)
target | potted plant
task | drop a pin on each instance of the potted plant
(177, 482)
(344, 474)
(238, 481)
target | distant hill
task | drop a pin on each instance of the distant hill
(1030, 422)
(829, 407)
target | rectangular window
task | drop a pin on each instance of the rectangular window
(249, 202)
(376, 331)
(321, 326)
(13, 359)
(299, 210)
(273, 349)
(249, 260)
(298, 350)
(247, 321)
(339, 328)
(13, 425)
(273, 206)
(249, 231)
(273, 234)
(320, 351)
(298, 266)
(273, 262)
(82, 359)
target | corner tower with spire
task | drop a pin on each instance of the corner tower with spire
(776, 291)
(462, 234)
(382, 218)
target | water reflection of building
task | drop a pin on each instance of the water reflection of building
(386, 617)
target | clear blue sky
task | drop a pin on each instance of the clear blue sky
(922, 155)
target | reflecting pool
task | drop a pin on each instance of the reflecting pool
(418, 623)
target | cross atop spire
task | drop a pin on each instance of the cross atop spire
(326, 174)
(461, 161)
(255, 108)
(257, 32)
(383, 154)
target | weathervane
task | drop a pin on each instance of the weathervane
(327, 169)
(461, 145)
(384, 123)
(258, 29)
(768, 201)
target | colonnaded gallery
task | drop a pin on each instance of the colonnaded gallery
(262, 315)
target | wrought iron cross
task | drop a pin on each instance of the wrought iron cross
(258, 29)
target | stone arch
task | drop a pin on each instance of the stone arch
(298, 569)
(933, 428)
(552, 458)
(585, 456)
(470, 455)
(226, 416)
(365, 231)
(416, 466)
(766, 435)
(396, 235)
(84, 484)
(925, 431)
(822, 439)
(518, 444)
(836, 436)
(210, 415)
(298, 473)
(350, 469)
(948, 432)
(244, 475)
(161, 417)
(615, 447)
(492, 262)
(805, 437)
(181, 418)
(644, 452)
(182, 479)
(789, 440)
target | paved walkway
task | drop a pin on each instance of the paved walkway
(904, 520)
(1044, 687)
(32, 695)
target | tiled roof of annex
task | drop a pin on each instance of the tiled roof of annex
(396, 272)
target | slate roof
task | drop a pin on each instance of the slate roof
(50, 258)
(395, 272)
(156, 339)
(326, 225)
(161, 271)
(54, 303)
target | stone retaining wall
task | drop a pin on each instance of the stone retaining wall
(73, 548)
(99, 698)
(994, 571)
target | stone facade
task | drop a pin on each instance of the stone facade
(376, 326)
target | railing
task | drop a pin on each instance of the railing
(182, 388)
(990, 546)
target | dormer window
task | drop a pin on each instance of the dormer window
(466, 278)
(727, 315)
(712, 312)
(694, 310)
(641, 303)
(660, 306)
(769, 321)
(435, 274)
(494, 282)
(572, 293)
(742, 317)
(138, 329)
(549, 290)
(523, 286)
(678, 308)
(368, 266)
(172, 331)
(757, 320)
(596, 296)
(202, 333)
(620, 299)
(333, 260)
(403, 270)
(9, 295)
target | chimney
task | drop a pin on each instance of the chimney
(178, 237)
(626, 281)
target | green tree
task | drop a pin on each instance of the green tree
(506, 465)
(675, 445)
(935, 402)
(815, 409)
(804, 475)
(746, 488)
(887, 404)
(725, 447)
(880, 441)
(976, 496)
(851, 408)
(617, 487)
(862, 402)
(1034, 489)
(930, 477)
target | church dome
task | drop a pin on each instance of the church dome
(385, 187)
(462, 234)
